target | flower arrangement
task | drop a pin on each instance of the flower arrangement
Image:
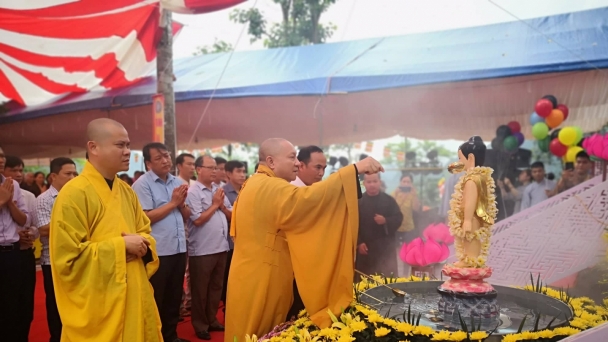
(359, 322)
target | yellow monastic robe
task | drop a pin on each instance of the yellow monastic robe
(281, 229)
(100, 296)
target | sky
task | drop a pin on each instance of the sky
(361, 19)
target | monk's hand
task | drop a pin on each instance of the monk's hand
(369, 166)
(131, 257)
(135, 244)
(363, 249)
(380, 219)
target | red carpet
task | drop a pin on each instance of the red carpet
(40, 332)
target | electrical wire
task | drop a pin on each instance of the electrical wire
(200, 120)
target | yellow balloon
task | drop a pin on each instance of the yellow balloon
(567, 136)
(571, 154)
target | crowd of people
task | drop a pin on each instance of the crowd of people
(189, 217)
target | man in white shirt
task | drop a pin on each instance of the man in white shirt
(62, 171)
(27, 234)
(186, 172)
(312, 168)
(538, 190)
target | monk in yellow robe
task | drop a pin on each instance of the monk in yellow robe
(280, 230)
(101, 250)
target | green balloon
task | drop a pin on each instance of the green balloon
(579, 134)
(540, 130)
(543, 144)
(510, 143)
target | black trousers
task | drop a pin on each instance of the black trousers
(168, 284)
(226, 272)
(52, 314)
(297, 305)
(10, 288)
(26, 294)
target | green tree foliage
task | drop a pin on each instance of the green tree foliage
(217, 47)
(300, 24)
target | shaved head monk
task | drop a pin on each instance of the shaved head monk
(281, 230)
(101, 250)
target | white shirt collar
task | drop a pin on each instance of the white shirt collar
(298, 182)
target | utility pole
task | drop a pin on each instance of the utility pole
(164, 76)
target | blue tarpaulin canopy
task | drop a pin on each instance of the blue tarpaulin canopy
(438, 85)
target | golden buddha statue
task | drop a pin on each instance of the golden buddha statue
(473, 205)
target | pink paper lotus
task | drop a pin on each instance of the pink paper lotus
(438, 232)
(420, 253)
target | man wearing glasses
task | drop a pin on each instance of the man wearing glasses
(207, 246)
(162, 197)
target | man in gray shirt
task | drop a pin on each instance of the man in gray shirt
(537, 191)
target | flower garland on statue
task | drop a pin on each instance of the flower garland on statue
(456, 215)
(359, 322)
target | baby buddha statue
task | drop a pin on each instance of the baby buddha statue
(473, 205)
(471, 217)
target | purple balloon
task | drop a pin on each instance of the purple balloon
(520, 138)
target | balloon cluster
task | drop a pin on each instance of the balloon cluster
(548, 115)
(597, 146)
(433, 251)
(508, 137)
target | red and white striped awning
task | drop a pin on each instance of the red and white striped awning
(50, 48)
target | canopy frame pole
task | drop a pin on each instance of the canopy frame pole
(165, 78)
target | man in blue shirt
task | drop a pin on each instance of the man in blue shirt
(208, 234)
(235, 175)
(162, 197)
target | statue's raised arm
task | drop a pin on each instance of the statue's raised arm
(473, 205)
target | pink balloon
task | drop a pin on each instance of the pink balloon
(598, 147)
(432, 252)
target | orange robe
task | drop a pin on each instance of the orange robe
(100, 296)
(281, 229)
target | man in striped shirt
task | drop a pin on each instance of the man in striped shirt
(62, 171)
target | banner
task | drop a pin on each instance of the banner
(357, 146)
(369, 146)
(158, 118)
(401, 156)
(387, 152)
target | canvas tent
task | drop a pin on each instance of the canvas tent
(438, 85)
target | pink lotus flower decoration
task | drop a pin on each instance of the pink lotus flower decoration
(438, 232)
(418, 253)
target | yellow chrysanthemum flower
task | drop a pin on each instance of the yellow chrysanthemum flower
(423, 330)
(302, 313)
(375, 318)
(511, 338)
(379, 332)
(357, 326)
(391, 322)
(442, 335)
(566, 331)
(405, 328)
(528, 335)
(329, 333)
(478, 335)
(458, 336)
(346, 338)
(546, 334)
(579, 323)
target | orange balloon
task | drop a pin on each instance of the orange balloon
(555, 118)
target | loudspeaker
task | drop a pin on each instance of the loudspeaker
(505, 164)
